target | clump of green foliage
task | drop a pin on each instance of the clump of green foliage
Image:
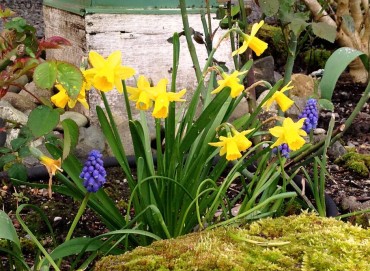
(357, 162)
(316, 58)
(304, 242)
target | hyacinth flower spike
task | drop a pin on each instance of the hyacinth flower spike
(311, 115)
(93, 172)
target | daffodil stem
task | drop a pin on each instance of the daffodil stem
(127, 102)
(192, 51)
(292, 50)
(232, 37)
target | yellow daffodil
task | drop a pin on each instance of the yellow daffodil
(231, 81)
(108, 73)
(258, 46)
(233, 145)
(290, 133)
(142, 95)
(61, 99)
(52, 166)
(282, 100)
(162, 99)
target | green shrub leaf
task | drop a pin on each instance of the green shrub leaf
(270, 7)
(324, 31)
(18, 171)
(42, 120)
(45, 74)
(70, 77)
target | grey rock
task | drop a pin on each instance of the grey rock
(8, 112)
(90, 138)
(23, 80)
(36, 91)
(19, 102)
(11, 134)
(264, 70)
(319, 131)
(336, 150)
(80, 119)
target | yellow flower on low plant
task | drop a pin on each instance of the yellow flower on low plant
(232, 146)
(258, 46)
(61, 99)
(108, 73)
(231, 81)
(282, 100)
(142, 95)
(162, 99)
(290, 133)
(52, 166)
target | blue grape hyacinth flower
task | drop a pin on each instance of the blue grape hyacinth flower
(310, 112)
(283, 149)
(93, 172)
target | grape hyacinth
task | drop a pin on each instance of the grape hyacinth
(93, 172)
(283, 149)
(310, 112)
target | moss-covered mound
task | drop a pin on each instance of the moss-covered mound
(304, 242)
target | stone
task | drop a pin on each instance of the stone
(21, 81)
(19, 102)
(80, 119)
(304, 85)
(336, 150)
(36, 91)
(264, 69)
(8, 112)
(90, 138)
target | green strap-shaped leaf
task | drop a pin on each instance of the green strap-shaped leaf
(70, 136)
(42, 120)
(70, 77)
(45, 74)
(7, 230)
(335, 65)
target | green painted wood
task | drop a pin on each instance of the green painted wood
(82, 7)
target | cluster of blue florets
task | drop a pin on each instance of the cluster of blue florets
(93, 172)
(310, 112)
(283, 149)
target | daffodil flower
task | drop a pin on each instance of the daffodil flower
(232, 146)
(142, 95)
(290, 133)
(52, 166)
(108, 73)
(258, 46)
(162, 99)
(61, 99)
(232, 81)
(282, 100)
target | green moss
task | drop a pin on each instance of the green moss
(316, 58)
(304, 242)
(275, 38)
(357, 162)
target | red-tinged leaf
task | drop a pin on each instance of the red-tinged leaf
(54, 42)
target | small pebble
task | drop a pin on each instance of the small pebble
(57, 218)
(319, 131)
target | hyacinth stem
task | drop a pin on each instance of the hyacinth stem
(80, 212)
